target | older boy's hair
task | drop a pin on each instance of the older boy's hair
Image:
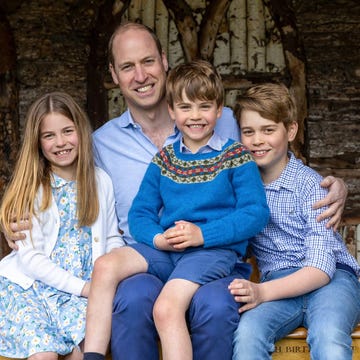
(198, 79)
(271, 100)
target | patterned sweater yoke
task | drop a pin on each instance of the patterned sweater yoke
(205, 168)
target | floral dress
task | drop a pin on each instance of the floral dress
(43, 318)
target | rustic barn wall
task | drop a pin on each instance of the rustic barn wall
(331, 37)
(53, 41)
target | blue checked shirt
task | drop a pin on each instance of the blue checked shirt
(293, 237)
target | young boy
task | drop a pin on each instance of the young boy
(200, 201)
(308, 278)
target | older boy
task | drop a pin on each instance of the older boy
(308, 278)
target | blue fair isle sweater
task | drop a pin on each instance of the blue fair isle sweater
(220, 191)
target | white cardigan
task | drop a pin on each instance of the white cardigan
(31, 262)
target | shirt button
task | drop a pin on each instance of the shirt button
(96, 239)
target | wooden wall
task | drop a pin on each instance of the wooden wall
(331, 35)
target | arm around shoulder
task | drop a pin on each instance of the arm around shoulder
(335, 200)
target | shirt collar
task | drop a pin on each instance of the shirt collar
(215, 143)
(286, 179)
(129, 120)
(58, 182)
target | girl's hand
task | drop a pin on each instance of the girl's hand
(247, 292)
(85, 290)
(183, 235)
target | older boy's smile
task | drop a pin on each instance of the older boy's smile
(267, 141)
(259, 153)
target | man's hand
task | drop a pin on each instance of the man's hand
(335, 200)
(17, 234)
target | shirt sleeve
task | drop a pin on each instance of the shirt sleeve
(108, 215)
(144, 220)
(320, 242)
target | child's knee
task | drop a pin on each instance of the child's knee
(105, 269)
(101, 266)
(164, 311)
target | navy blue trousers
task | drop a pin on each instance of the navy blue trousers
(212, 318)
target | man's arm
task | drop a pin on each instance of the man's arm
(335, 200)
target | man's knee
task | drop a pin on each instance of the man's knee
(215, 300)
(137, 292)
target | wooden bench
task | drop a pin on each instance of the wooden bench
(294, 346)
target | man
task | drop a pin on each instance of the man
(124, 147)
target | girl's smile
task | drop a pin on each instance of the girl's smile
(59, 144)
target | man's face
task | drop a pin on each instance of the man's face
(139, 69)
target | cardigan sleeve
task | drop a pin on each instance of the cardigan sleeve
(37, 265)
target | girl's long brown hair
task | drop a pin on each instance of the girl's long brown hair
(32, 169)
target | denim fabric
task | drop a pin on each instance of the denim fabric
(330, 313)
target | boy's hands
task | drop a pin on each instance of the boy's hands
(247, 292)
(183, 235)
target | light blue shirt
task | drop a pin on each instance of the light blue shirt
(293, 237)
(124, 152)
(216, 143)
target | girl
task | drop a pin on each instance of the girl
(70, 205)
